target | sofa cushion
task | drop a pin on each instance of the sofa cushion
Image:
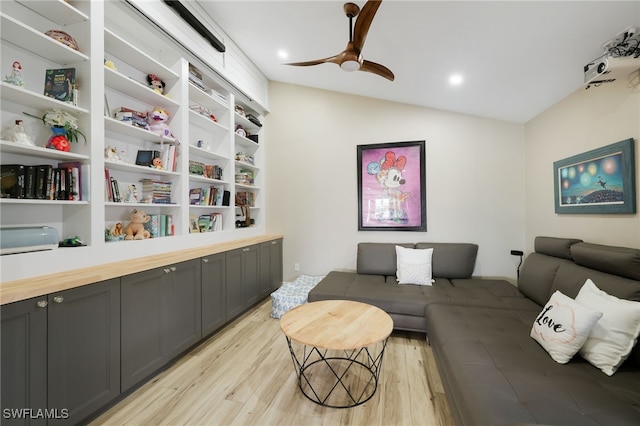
(536, 277)
(621, 261)
(556, 247)
(570, 278)
(494, 373)
(332, 286)
(391, 298)
(563, 326)
(414, 265)
(499, 288)
(613, 337)
(378, 258)
(452, 260)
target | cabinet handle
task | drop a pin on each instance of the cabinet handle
(173, 268)
(41, 303)
(58, 299)
(273, 243)
(167, 270)
(205, 260)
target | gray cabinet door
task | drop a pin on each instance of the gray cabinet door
(183, 306)
(270, 266)
(213, 293)
(276, 264)
(142, 336)
(251, 275)
(83, 349)
(234, 296)
(24, 359)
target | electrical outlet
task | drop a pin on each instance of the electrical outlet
(296, 267)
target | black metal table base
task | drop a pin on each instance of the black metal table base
(337, 379)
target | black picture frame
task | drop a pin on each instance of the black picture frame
(600, 181)
(391, 186)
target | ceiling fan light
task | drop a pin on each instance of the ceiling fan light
(350, 66)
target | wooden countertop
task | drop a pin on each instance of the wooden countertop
(14, 291)
(337, 324)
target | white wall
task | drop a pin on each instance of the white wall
(473, 167)
(586, 120)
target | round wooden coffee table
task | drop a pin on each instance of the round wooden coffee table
(337, 348)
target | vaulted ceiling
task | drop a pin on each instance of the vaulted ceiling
(517, 58)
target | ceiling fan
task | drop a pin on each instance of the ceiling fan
(351, 58)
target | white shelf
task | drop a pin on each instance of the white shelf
(126, 167)
(7, 147)
(36, 42)
(125, 51)
(205, 153)
(246, 143)
(203, 207)
(59, 11)
(202, 121)
(206, 100)
(135, 89)
(251, 188)
(127, 129)
(244, 165)
(42, 202)
(147, 205)
(23, 96)
(202, 179)
(246, 124)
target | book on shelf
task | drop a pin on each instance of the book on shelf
(156, 192)
(210, 222)
(60, 84)
(160, 225)
(75, 179)
(42, 182)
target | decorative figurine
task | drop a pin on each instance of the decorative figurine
(15, 77)
(19, 135)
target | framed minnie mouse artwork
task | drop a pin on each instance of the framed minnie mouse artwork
(391, 187)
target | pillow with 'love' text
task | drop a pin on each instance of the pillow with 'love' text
(563, 326)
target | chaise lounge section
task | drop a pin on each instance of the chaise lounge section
(493, 371)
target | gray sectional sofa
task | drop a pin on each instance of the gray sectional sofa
(492, 370)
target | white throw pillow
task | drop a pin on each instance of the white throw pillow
(613, 337)
(563, 326)
(414, 265)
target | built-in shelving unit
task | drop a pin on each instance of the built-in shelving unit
(202, 120)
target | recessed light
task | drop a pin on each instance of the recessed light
(282, 54)
(456, 79)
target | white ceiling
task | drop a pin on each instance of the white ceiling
(518, 57)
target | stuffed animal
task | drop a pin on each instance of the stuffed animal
(135, 229)
(158, 122)
(157, 163)
(155, 83)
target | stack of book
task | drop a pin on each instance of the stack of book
(205, 222)
(156, 192)
(45, 182)
(244, 177)
(133, 117)
(160, 225)
(212, 196)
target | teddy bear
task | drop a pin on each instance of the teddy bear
(158, 122)
(135, 229)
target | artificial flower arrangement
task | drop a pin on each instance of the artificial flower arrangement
(64, 127)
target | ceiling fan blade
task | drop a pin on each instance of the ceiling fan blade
(378, 69)
(363, 22)
(331, 59)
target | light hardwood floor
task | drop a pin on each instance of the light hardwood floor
(243, 375)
